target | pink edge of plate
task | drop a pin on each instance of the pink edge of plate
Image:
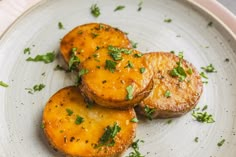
(219, 12)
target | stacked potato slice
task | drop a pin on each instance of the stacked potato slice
(95, 117)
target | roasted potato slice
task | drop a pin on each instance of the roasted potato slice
(171, 95)
(78, 129)
(116, 77)
(84, 40)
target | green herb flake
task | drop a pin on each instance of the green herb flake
(203, 75)
(173, 52)
(79, 120)
(3, 84)
(203, 117)
(60, 68)
(130, 91)
(94, 35)
(204, 108)
(178, 72)
(138, 55)
(140, 5)
(47, 58)
(135, 147)
(134, 44)
(80, 74)
(110, 65)
(167, 94)
(196, 139)
(108, 136)
(129, 65)
(134, 120)
(60, 25)
(169, 121)
(27, 51)
(190, 71)
(210, 24)
(120, 7)
(142, 70)
(74, 60)
(149, 112)
(69, 112)
(116, 55)
(95, 10)
(119, 50)
(168, 20)
(38, 87)
(42, 126)
(219, 144)
(209, 69)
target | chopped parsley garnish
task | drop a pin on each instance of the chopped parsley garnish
(203, 75)
(204, 108)
(108, 136)
(110, 65)
(60, 25)
(3, 84)
(58, 67)
(149, 112)
(178, 72)
(210, 24)
(35, 88)
(120, 50)
(138, 55)
(203, 117)
(209, 69)
(142, 70)
(79, 120)
(168, 20)
(173, 52)
(190, 71)
(135, 147)
(95, 10)
(116, 55)
(47, 58)
(130, 91)
(120, 7)
(94, 35)
(42, 126)
(134, 120)
(169, 121)
(69, 112)
(134, 45)
(74, 60)
(167, 94)
(129, 65)
(219, 144)
(140, 5)
(27, 51)
(196, 139)
(81, 73)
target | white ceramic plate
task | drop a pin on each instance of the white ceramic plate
(20, 112)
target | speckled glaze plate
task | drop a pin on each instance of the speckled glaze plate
(21, 112)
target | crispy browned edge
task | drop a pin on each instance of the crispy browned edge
(169, 113)
(118, 154)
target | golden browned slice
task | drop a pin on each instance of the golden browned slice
(177, 87)
(116, 77)
(79, 129)
(84, 40)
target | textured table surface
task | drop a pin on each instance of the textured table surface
(11, 9)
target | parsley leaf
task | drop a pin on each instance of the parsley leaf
(120, 7)
(119, 50)
(3, 84)
(47, 58)
(129, 65)
(79, 120)
(178, 72)
(60, 25)
(108, 136)
(136, 152)
(27, 50)
(110, 65)
(142, 70)
(149, 112)
(134, 120)
(203, 117)
(167, 94)
(138, 55)
(69, 112)
(140, 5)
(203, 75)
(209, 69)
(169, 121)
(130, 90)
(74, 60)
(219, 144)
(134, 45)
(81, 73)
(168, 20)
(196, 139)
(95, 10)
(35, 88)
(116, 55)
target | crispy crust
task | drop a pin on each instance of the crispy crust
(113, 93)
(78, 140)
(86, 38)
(184, 94)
